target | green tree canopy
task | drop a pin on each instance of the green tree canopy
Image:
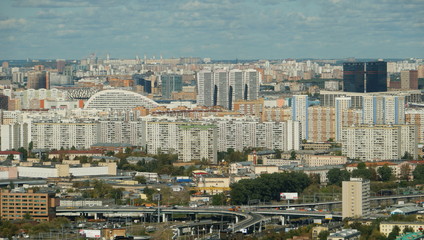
(268, 187)
(336, 176)
(385, 173)
(419, 173)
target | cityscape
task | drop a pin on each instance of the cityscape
(190, 120)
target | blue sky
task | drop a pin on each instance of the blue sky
(220, 29)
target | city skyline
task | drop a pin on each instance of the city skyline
(264, 29)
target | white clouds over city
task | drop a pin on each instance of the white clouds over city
(235, 29)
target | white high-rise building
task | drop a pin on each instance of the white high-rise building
(342, 105)
(58, 134)
(14, 136)
(293, 135)
(383, 110)
(222, 87)
(379, 142)
(205, 88)
(197, 143)
(300, 106)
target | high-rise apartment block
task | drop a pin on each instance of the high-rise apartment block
(38, 79)
(379, 142)
(300, 106)
(365, 77)
(415, 116)
(18, 77)
(222, 87)
(383, 110)
(197, 143)
(171, 83)
(355, 198)
(321, 123)
(409, 79)
(342, 106)
(54, 135)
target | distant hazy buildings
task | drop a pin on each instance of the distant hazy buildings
(365, 77)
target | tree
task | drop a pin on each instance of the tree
(405, 171)
(323, 235)
(219, 199)
(292, 155)
(394, 233)
(24, 153)
(140, 179)
(73, 148)
(277, 153)
(419, 173)
(268, 187)
(361, 171)
(385, 173)
(27, 216)
(408, 229)
(128, 150)
(30, 146)
(10, 157)
(336, 176)
(408, 156)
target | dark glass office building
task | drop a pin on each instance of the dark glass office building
(140, 79)
(376, 76)
(354, 77)
(365, 77)
(171, 83)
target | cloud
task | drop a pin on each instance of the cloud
(213, 28)
(64, 3)
(12, 23)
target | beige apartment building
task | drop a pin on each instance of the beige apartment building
(355, 198)
(387, 227)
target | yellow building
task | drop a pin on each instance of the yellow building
(387, 227)
(355, 198)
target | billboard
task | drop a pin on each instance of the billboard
(288, 196)
(91, 233)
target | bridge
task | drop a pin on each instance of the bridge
(332, 203)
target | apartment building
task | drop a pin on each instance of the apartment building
(18, 205)
(196, 143)
(321, 123)
(379, 142)
(355, 198)
(58, 134)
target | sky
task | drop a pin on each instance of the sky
(219, 29)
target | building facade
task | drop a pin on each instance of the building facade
(16, 205)
(379, 142)
(355, 198)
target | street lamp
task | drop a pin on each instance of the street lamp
(158, 198)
